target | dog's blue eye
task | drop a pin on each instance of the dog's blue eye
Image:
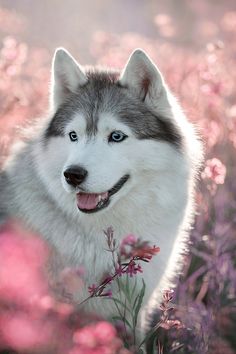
(117, 137)
(73, 136)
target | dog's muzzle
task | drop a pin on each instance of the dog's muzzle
(92, 202)
(75, 175)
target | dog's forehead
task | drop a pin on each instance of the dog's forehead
(102, 99)
(105, 122)
(111, 121)
(101, 94)
(97, 111)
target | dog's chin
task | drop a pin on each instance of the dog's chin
(90, 203)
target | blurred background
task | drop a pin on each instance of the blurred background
(77, 24)
(194, 44)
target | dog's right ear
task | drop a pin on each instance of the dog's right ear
(67, 76)
(144, 79)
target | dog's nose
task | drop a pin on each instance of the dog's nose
(75, 175)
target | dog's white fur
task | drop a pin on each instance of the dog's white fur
(156, 204)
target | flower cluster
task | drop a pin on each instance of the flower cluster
(214, 170)
(166, 307)
(98, 338)
(131, 269)
(129, 253)
(32, 320)
(132, 247)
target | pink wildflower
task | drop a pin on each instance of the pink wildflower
(127, 243)
(168, 295)
(129, 240)
(92, 289)
(214, 170)
(120, 270)
(168, 324)
(104, 332)
(107, 294)
(139, 269)
(145, 252)
(22, 331)
(21, 266)
(99, 338)
(133, 269)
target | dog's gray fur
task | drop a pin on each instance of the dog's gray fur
(103, 93)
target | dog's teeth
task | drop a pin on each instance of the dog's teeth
(99, 198)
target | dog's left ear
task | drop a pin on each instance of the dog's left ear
(67, 76)
(142, 76)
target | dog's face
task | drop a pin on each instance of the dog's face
(98, 166)
(110, 134)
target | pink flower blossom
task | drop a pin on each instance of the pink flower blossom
(25, 300)
(168, 324)
(145, 252)
(168, 295)
(120, 270)
(127, 243)
(132, 247)
(214, 170)
(99, 338)
(107, 293)
(21, 331)
(92, 289)
(104, 332)
(133, 269)
(129, 240)
(21, 267)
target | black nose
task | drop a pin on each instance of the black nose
(75, 175)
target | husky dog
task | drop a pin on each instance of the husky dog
(116, 150)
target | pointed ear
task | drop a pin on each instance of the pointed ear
(142, 76)
(67, 76)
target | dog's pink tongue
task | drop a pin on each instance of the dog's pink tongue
(89, 201)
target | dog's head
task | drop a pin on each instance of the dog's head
(110, 133)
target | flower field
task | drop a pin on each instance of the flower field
(199, 317)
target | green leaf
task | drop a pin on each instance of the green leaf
(122, 286)
(138, 303)
(134, 288)
(124, 306)
(127, 288)
(151, 334)
(135, 301)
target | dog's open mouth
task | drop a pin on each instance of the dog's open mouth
(92, 202)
